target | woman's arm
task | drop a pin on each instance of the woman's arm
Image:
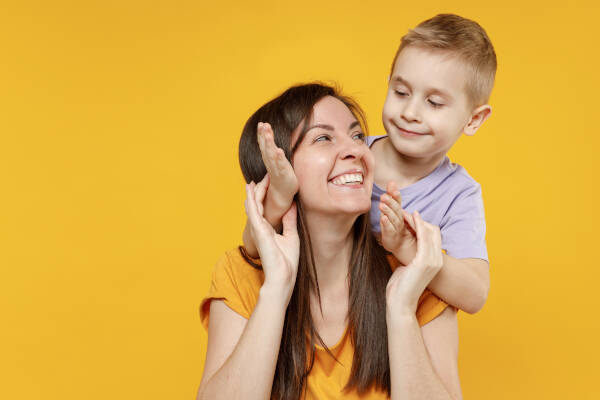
(241, 355)
(423, 362)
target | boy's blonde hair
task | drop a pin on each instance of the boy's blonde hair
(465, 39)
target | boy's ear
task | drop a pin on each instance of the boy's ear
(480, 114)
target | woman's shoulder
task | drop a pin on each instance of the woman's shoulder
(237, 265)
(236, 281)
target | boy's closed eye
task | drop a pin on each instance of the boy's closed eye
(435, 104)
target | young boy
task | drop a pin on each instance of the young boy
(441, 79)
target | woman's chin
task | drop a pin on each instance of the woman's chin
(355, 209)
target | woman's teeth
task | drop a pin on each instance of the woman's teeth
(347, 179)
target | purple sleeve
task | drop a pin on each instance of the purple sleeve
(463, 226)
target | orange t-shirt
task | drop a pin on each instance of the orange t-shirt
(237, 283)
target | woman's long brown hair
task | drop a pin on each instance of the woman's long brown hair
(369, 270)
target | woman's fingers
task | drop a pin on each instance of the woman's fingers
(409, 220)
(429, 241)
(421, 234)
(289, 222)
(260, 192)
(250, 205)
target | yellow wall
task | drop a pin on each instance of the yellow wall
(119, 123)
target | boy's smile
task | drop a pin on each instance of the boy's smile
(427, 107)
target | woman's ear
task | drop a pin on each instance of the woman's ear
(478, 117)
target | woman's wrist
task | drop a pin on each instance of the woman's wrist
(277, 296)
(400, 315)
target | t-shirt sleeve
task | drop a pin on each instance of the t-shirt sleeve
(463, 226)
(429, 305)
(236, 283)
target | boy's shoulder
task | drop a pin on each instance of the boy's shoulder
(458, 174)
(444, 185)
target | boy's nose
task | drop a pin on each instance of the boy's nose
(410, 112)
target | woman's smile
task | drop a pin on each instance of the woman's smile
(333, 152)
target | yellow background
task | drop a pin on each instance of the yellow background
(119, 123)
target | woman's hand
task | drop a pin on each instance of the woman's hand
(397, 226)
(279, 253)
(408, 283)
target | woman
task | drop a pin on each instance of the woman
(324, 317)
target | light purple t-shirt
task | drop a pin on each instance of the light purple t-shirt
(449, 198)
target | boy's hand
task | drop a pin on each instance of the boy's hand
(408, 283)
(283, 185)
(397, 226)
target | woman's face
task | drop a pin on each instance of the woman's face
(333, 164)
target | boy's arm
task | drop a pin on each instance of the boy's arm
(282, 184)
(463, 283)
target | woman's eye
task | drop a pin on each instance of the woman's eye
(401, 93)
(359, 136)
(322, 138)
(434, 103)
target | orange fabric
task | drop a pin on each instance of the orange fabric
(237, 283)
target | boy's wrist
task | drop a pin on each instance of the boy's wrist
(405, 254)
(276, 205)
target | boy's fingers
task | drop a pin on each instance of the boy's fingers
(282, 161)
(266, 144)
(395, 206)
(393, 217)
(386, 226)
(260, 137)
(282, 168)
(391, 187)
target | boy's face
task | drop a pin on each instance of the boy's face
(426, 108)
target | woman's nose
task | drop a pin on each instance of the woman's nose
(353, 148)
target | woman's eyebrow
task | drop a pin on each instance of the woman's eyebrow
(322, 126)
(330, 128)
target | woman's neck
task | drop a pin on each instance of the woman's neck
(332, 241)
